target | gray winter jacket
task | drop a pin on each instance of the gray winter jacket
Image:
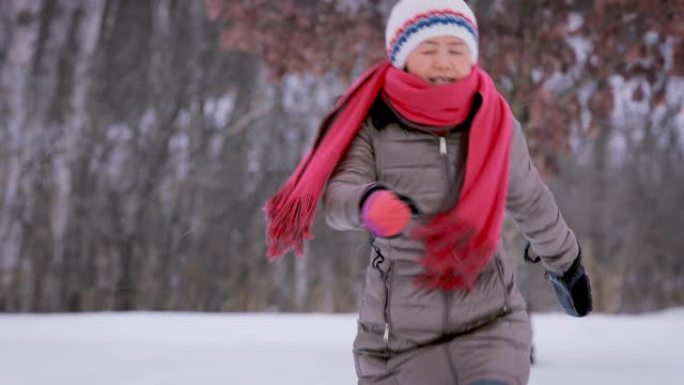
(452, 332)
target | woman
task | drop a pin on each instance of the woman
(423, 152)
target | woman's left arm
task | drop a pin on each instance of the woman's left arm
(536, 213)
(534, 209)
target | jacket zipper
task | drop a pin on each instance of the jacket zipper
(442, 145)
(444, 153)
(447, 310)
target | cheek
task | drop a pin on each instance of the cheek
(463, 67)
(418, 67)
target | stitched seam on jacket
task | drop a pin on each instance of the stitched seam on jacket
(452, 367)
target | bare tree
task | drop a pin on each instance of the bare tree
(135, 155)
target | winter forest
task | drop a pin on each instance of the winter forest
(139, 140)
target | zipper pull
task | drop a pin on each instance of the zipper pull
(385, 336)
(442, 145)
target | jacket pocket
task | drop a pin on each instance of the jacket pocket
(386, 275)
(375, 307)
(502, 280)
(388, 298)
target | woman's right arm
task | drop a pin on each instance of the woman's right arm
(352, 180)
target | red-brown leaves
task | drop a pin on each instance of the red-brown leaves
(294, 38)
(523, 45)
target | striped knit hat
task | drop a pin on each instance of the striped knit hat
(413, 21)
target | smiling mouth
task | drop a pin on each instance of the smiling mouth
(441, 80)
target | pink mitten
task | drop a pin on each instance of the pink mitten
(385, 214)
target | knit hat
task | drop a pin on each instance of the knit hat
(413, 21)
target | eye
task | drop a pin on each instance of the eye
(456, 52)
(429, 52)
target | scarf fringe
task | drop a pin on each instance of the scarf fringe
(289, 220)
(450, 272)
(454, 256)
(290, 213)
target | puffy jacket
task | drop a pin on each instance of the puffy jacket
(395, 316)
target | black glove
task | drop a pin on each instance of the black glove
(573, 289)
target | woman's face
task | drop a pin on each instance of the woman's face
(440, 60)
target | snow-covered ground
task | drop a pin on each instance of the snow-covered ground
(207, 349)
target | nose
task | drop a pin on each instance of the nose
(442, 61)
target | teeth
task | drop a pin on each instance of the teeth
(441, 80)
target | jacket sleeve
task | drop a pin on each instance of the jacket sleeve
(352, 179)
(534, 209)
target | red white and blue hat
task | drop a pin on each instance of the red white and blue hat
(413, 21)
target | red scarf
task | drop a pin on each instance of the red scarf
(460, 242)
(420, 102)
